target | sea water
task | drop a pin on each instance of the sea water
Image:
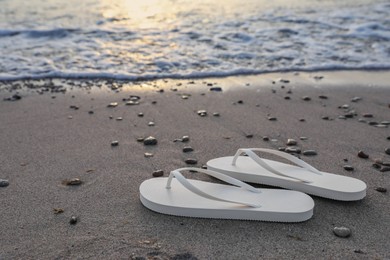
(145, 39)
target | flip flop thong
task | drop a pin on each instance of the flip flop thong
(179, 196)
(304, 177)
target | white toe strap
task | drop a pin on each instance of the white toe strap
(262, 163)
(223, 177)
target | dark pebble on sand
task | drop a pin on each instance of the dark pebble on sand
(202, 113)
(306, 98)
(112, 104)
(381, 189)
(325, 118)
(191, 161)
(114, 143)
(358, 251)
(74, 107)
(140, 114)
(204, 167)
(187, 149)
(291, 142)
(72, 182)
(368, 115)
(348, 168)
(376, 165)
(140, 139)
(158, 173)
(73, 220)
(90, 112)
(388, 138)
(356, 99)
(249, 135)
(287, 98)
(385, 169)
(240, 102)
(150, 141)
(216, 89)
(265, 138)
(387, 151)
(14, 97)
(271, 118)
(309, 152)
(132, 103)
(216, 114)
(4, 183)
(342, 231)
(323, 97)
(363, 155)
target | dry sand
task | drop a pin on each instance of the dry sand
(41, 146)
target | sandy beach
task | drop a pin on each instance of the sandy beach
(63, 129)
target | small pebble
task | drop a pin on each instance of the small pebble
(342, 231)
(356, 99)
(358, 251)
(73, 220)
(240, 102)
(148, 155)
(185, 138)
(202, 113)
(249, 135)
(345, 106)
(363, 155)
(376, 166)
(388, 138)
(72, 182)
(114, 143)
(291, 142)
(119, 118)
(58, 211)
(4, 183)
(287, 98)
(306, 98)
(387, 151)
(140, 114)
(265, 138)
(216, 114)
(303, 138)
(367, 115)
(323, 97)
(309, 152)
(112, 104)
(132, 103)
(348, 168)
(70, 117)
(151, 124)
(302, 120)
(187, 149)
(385, 169)
(385, 122)
(150, 141)
(158, 173)
(325, 117)
(271, 118)
(140, 139)
(14, 97)
(381, 189)
(90, 112)
(191, 161)
(292, 150)
(216, 89)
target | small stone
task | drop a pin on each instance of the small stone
(191, 161)
(202, 113)
(90, 112)
(140, 114)
(216, 89)
(388, 138)
(385, 169)
(363, 155)
(291, 142)
(372, 123)
(73, 220)
(70, 117)
(119, 118)
(348, 168)
(381, 189)
(114, 143)
(151, 123)
(140, 139)
(345, 106)
(356, 99)
(216, 114)
(309, 152)
(132, 103)
(358, 251)
(292, 150)
(148, 155)
(249, 135)
(240, 102)
(187, 149)
(367, 115)
(385, 122)
(322, 97)
(110, 117)
(185, 138)
(72, 182)
(134, 98)
(325, 117)
(349, 115)
(112, 104)
(302, 120)
(376, 165)
(4, 183)
(160, 90)
(287, 98)
(271, 118)
(158, 173)
(184, 96)
(289, 91)
(387, 151)
(74, 107)
(303, 138)
(150, 141)
(342, 232)
(204, 167)
(306, 98)
(265, 138)
(58, 211)
(342, 117)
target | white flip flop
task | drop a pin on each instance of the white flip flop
(192, 198)
(252, 168)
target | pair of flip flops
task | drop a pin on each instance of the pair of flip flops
(179, 196)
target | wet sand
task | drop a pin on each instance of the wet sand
(44, 142)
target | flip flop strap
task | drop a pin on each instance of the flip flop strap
(262, 163)
(225, 178)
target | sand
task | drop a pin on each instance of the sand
(44, 142)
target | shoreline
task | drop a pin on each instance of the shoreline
(46, 140)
